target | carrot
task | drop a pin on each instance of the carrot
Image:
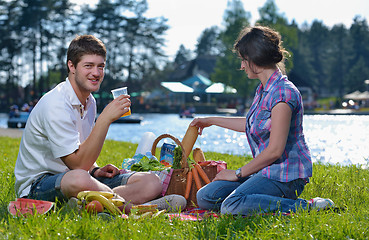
(188, 185)
(204, 163)
(196, 178)
(202, 173)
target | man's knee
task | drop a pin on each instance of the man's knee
(75, 181)
(149, 182)
(154, 182)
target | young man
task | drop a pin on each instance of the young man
(61, 141)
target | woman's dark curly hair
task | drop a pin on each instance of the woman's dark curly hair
(261, 46)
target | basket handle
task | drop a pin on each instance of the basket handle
(184, 163)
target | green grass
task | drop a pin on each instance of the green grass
(346, 186)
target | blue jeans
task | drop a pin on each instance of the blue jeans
(253, 194)
(47, 187)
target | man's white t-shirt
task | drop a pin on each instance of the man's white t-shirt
(55, 128)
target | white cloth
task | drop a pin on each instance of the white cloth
(55, 128)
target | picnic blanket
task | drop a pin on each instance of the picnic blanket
(195, 214)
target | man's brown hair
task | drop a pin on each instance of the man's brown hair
(85, 45)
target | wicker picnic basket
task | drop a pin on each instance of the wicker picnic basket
(178, 181)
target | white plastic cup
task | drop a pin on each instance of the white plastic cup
(121, 91)
(146, 143)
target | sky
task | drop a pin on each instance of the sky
(187, 19)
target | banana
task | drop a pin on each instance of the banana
(83, 194)
(104, 201)
(116, 202)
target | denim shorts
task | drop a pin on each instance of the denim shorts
(47, 187)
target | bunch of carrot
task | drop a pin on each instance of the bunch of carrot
(195, 173)
(188, 141)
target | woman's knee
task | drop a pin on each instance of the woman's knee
(231, 205)
(208, 199)
(200, 196)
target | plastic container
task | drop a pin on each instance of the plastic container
(145, 144)
(121, 91)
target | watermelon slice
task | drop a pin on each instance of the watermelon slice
(24, 207)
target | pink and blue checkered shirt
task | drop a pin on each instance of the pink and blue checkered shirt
(295, 161)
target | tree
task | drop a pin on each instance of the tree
(209, 42)
(269, 16)
(227, 65)
(298, 61)
(356, 76)
(183, 55)
(318, 42)
(63, 26)
(107, 24)
(303, 70)
(145, 46)
(34, 14)
(132, 40)
(340, 57)
(10, 48)
(360, 35)
(36, 34)
(359, 63)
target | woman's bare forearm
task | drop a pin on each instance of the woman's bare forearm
(232, 123)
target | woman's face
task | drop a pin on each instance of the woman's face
(245, 65)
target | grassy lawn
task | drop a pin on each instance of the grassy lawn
(346, 186)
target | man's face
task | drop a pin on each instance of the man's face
(88, 74)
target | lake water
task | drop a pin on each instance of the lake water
(333, 139)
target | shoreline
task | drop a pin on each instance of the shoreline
(11, 132)
(336, 112)
(18, 132)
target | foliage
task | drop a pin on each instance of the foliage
(38, 32)
(227, 64)
(147, 164)
(35, 34)
(269, 16)
(131, 39)
(346, 186)
(177, 158)
(332, 61)
(209, 42)
(183, 55)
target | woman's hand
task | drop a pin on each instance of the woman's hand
(226, 175)
(201, 123)
(108, 171)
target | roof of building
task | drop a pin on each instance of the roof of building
(177, 87)
(197, 82)
(205, 64)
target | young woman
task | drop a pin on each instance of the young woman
(281, 164)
